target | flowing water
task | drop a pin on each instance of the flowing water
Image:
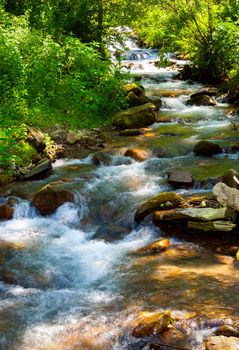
(72, 280)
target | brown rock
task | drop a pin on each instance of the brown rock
(201, 100)
(101, 158)
(206, 148)
(138, 154)
(130, 132)
(47, 200)
(211, 91)
(155, 247)
(222, 343)
(159, 202)
(6, 212)
(180, 178)
(229, 178)
(154, 324)
(227, 331)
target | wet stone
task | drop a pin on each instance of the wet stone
(155, 247)
(222, 343)
(180, 178)
(206, 148)
(137, 154)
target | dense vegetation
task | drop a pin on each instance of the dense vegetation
(54, 66)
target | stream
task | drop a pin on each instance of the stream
(72, 280)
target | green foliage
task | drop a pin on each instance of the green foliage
(15, 152)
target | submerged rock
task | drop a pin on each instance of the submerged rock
(36, 138)
(154, 324)
(47, 200)
(101, 158)
(180, 178)
(135, 117)
(137, 154)
(159, 202)
(155, 247)
(42, 168)
(206, 148)
(201, 100)
(226, 195)
(130, 132)
(222, 343)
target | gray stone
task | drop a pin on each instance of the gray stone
(41, 169)
(220, 225)
(226, 195)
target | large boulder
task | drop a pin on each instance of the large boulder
(137, 154)
(226, 195)
(47, 200)
(43, 168)
(206, 148)
(201, 100)
(180, 178)
(135, 117)
(36, 138)
(160, 202)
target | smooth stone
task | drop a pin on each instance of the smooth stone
(36, 138)
(42, 168)
(180, 178)
(201, 100)
(211, 91)
(158, 202)
(222, 343)
(155, 247)
(135, 117)
(226, 195)
(137, 154)
(223, 226)
(198, 214)
(227, 331)
(47, 199)
(206, 148)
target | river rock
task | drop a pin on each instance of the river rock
(136, 89)
(36, 138)
(229, 178)
(155, 247)
(41, 169)
(135, 117)
(233, 95)
(137, 154)
(197, 214)
(6, 212)
(180, 178)
(220, 225)
(227, 331)
(101, 158)
(130, 132)
(134, 100)
(47, 200)
(156, 100)
(206, 148)
(201, 100)
(154, 324)
(222, 343)
(161, 201)
(226, 195)
(210, 91)
(74, 137)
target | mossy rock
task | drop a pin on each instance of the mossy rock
(134, 88)
(207, 148)
(135, 117)
(228, 178)
(160, 202)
